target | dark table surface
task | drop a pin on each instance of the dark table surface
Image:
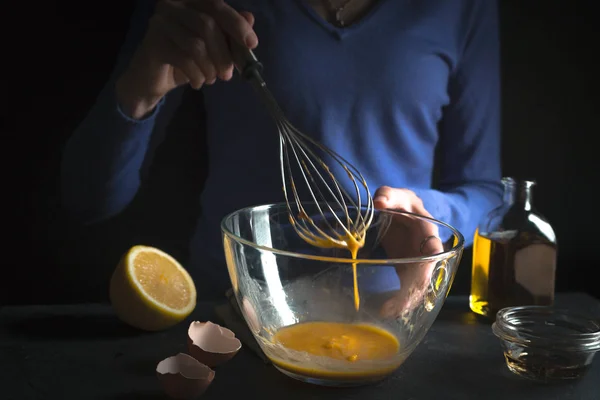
(84, 352)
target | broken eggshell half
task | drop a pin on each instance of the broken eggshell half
(212, 344)
(183, 377)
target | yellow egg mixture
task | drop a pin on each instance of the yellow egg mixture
(364, 347)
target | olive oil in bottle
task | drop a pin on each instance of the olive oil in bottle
(514, 255)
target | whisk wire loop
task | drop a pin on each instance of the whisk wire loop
(299, 150)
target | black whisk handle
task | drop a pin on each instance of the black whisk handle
(245, 61)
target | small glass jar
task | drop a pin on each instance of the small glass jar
(547, 344)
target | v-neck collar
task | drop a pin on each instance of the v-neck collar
(340, 32)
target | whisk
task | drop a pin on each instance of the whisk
(352, 215)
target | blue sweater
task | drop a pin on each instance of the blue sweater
(410, 76)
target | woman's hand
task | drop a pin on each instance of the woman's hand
(186, 43)
(408, 237)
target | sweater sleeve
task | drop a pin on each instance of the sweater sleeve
(102, 160)
(470, 171)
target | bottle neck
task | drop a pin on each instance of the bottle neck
(518, 192)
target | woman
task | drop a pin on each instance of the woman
(381, 82)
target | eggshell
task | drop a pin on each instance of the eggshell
(212, 344)
(183, 377)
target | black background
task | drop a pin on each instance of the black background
(58, 56)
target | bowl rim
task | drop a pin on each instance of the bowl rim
(456, 249)
(506, 329)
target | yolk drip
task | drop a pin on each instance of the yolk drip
(349, 242)
(353, 246)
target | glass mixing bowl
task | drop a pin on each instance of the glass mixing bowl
(404, 273)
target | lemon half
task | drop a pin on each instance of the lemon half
(150, 290)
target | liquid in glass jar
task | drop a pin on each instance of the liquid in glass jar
(514, 255)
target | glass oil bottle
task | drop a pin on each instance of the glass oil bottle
(514, 254)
